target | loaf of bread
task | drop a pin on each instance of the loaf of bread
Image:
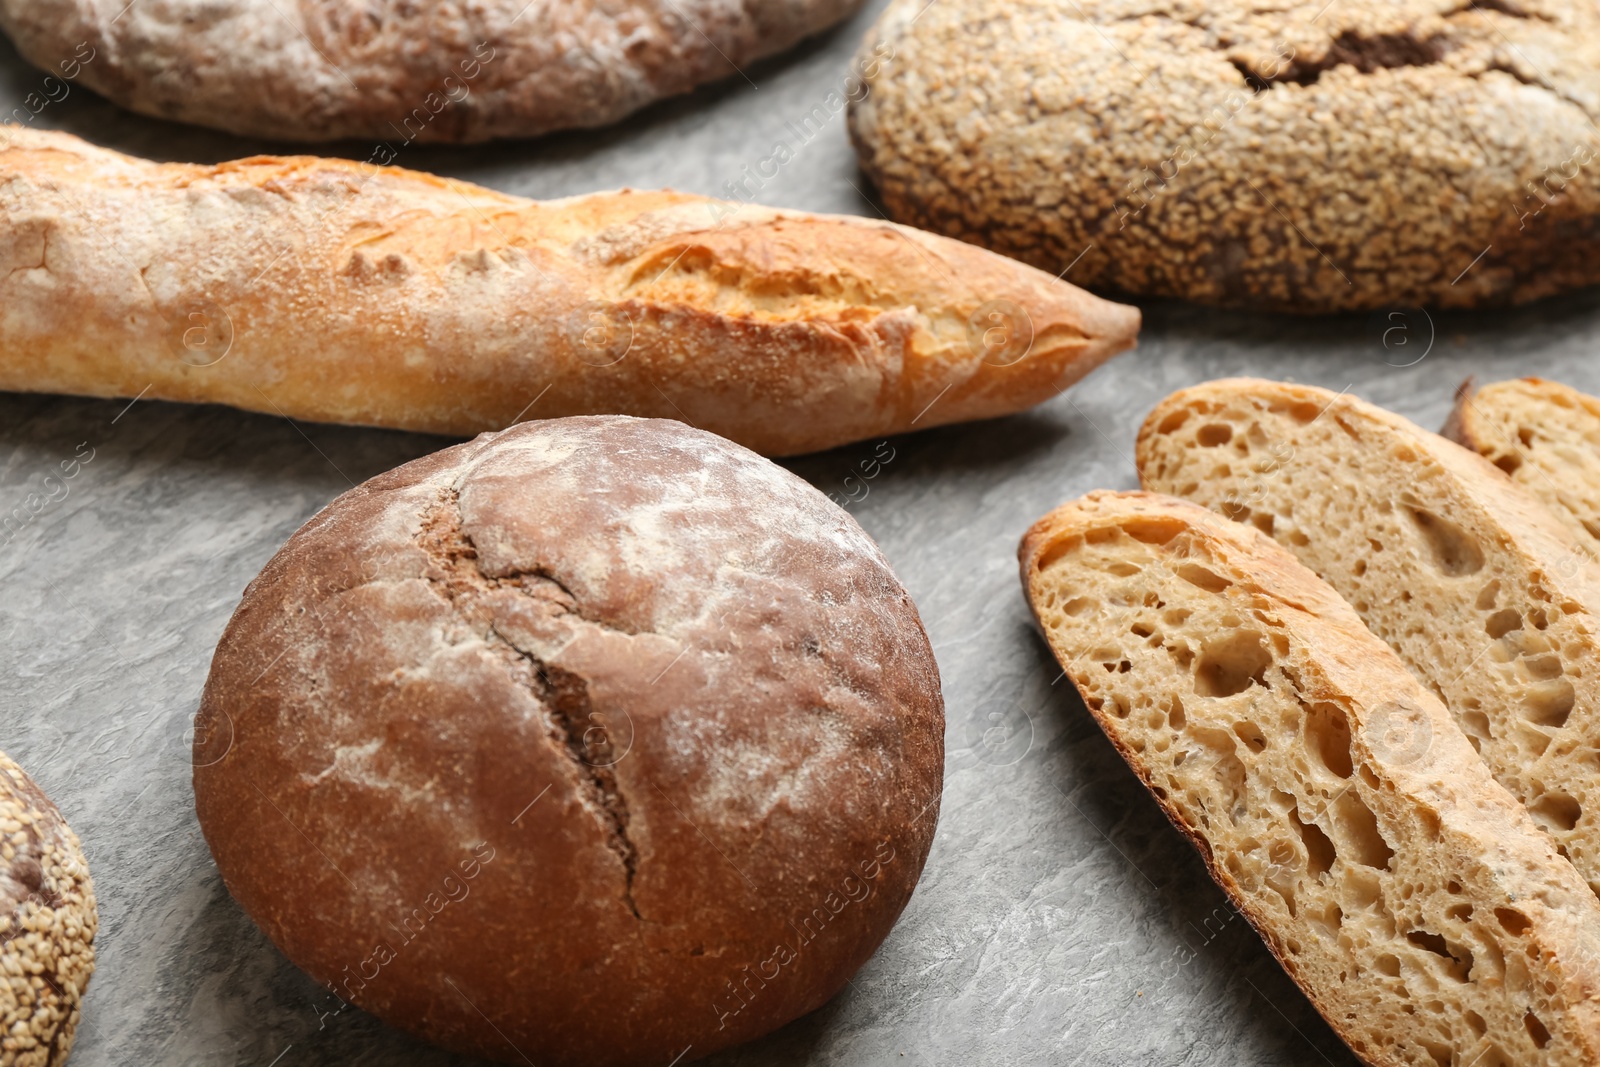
(322, 289)
(600, 741)
(402, 72)
(1546, 436)
(1408, 894)
(1303, 156)
(47, 925)
(1482, 592)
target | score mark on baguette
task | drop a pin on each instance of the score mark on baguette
(1329, 793)
(328, 290)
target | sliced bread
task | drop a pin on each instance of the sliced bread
(1546, 436)
(1329, 793)
(1484, 595)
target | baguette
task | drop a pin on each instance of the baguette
(328, 290)
(1544, 435)
(1329, 794)
(1484, 595)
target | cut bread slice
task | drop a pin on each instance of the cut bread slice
(1485, 596)
(1329, 793)
(1546, 436)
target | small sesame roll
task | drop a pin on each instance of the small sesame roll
(47, 925)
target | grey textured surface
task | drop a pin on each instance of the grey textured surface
(1060, 919)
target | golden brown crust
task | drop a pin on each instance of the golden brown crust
(319, 70)
(47, 925)
(1295, 156)
(1479, 835)
(327, 290)
(1455, 427)
(616, 704)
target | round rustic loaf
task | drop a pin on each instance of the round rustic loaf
(399, 72)
(47, 925)
(1301, 156)
(595, 741)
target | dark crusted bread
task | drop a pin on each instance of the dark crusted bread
(1483, 593)
(604, 730)
(47, 925)
(1305, 155)
(1546, 436)
(317, 70)
(1408, 894)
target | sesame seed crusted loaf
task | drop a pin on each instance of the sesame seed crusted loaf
(1483, 593)
(328, 290)
(1303, 156)
(47, 925)
(1329, 793)
(318, 70)
(604, 730)
(1546, 436)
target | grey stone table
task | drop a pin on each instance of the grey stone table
(1060, 919)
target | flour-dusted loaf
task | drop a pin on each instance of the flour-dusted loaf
(323, 289)
(1329, 793)
(1546, 436)
(1483, 593)
(603, 730)
(317, 70)
(47, 925)
(1304, 156)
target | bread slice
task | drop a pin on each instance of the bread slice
(1546, 436)
(1485, 596)
(1331, 796)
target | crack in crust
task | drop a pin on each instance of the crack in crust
(1367, 53)
(562, 695)
(567, 698)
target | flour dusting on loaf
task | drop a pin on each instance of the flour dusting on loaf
(677, 691)
(432, 72)
(328, 290)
